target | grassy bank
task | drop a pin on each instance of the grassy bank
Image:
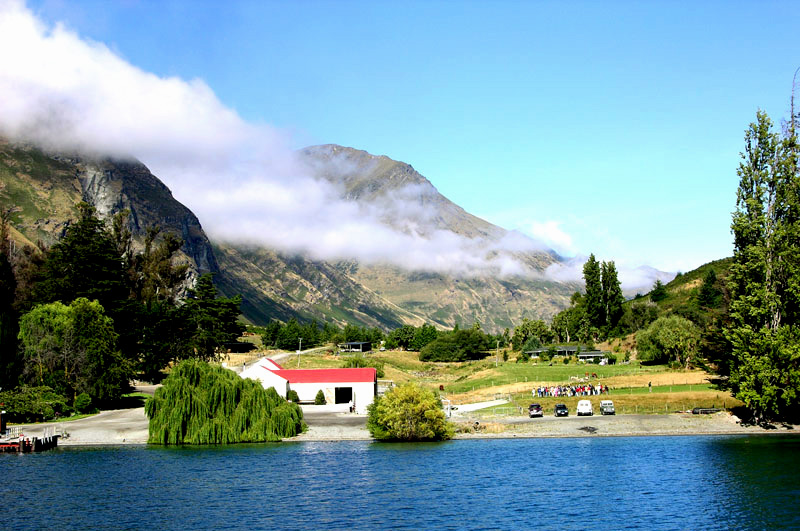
(634, 388)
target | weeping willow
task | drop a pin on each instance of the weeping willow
(206, 404)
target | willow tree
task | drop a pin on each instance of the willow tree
(207, 404)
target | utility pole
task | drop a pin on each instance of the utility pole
(298, 352)
(497, 353)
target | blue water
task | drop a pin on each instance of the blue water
(582, 483)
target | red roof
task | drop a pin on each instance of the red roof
(278, 365)
(364, 374)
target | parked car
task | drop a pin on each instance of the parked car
(535, 410)
(561, 410)
(607, 407)
(585, 408)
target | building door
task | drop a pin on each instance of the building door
(343, 395)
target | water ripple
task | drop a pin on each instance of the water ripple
(599, 483)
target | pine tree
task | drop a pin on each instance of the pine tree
(709, 295)
(213, 321)
(659, 291)
(85, 263)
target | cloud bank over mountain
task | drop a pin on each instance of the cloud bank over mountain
(243, 180)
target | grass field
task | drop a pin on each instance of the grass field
(474, 381)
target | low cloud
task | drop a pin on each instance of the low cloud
(551, 234)
(244, 182)
(632, 279)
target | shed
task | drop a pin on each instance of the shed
(340, 386)
(355, 346)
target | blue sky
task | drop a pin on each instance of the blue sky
(604, 127)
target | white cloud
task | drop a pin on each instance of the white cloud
(552, 235)
(632, 279)
(242, 180)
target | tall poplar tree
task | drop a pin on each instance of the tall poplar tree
(612, 295)
(765, 276)
(593, 301)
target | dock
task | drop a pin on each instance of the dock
(14, 440)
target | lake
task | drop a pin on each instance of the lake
(713, 482)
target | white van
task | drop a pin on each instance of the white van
(585, 408)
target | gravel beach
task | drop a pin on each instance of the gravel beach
(129, 426)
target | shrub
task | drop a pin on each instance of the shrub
(566, 360)
(83, 403)
(291, 396)
(320, 398)
(362, 361)
(408, 413)
(33, 404)
(460, 345)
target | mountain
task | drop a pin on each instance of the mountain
(387, 294)
(43, 187)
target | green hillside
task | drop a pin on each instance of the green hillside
(682, 292)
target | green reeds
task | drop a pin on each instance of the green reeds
(206, 404)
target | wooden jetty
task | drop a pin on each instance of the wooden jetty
(14, 440)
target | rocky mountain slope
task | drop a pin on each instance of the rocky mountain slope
(44, 187)
(385, 294)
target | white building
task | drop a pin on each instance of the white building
(340, 386)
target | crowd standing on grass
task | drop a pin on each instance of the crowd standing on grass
(569, 390)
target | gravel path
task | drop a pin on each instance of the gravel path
(119, 426)
(129, 426)
(616, 425)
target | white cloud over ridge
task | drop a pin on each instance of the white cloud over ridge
(243, 181)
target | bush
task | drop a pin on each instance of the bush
(83, 403)
(460, 345)
(566, 360)
(319, 400)
(358, 361)
(408, 413)
(33, 404)
(291, 396)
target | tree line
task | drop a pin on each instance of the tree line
(91, 313)
(432, 344)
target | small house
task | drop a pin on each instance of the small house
(356, 386)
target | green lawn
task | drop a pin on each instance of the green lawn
(507, 373)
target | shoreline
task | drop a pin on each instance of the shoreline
(130, 427)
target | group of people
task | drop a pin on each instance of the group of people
(570, 390)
